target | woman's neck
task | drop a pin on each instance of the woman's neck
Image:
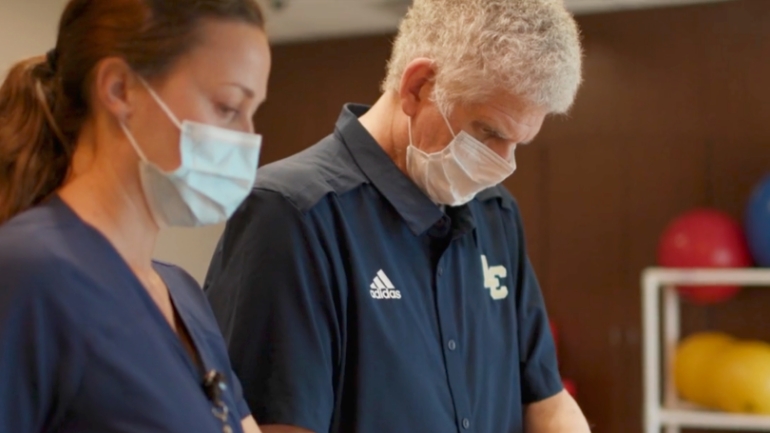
(106, 193)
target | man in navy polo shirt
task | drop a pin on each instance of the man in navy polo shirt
(378, 282)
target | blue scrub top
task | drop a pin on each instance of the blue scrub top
(381, 312)
(83, 347)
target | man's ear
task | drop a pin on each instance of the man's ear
(416, 85)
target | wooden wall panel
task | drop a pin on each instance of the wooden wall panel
(584, 243)
(738, 107)
(529, 185)
(309, 84)
(739, 115)
(674, 114)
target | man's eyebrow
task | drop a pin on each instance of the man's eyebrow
(485, 125)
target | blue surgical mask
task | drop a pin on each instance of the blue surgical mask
(218, 170)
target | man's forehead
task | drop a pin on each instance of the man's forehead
(511, 114)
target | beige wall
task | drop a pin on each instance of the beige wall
(189, 248)
(28, 28)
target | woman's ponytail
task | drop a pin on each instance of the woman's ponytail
(34, 154)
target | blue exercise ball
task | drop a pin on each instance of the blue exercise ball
(758, 223)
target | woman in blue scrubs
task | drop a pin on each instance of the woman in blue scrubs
(140, 118)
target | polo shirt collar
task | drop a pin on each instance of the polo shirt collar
(416, 209)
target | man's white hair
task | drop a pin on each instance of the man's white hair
(527, 48)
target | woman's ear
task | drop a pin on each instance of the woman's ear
(115, 86)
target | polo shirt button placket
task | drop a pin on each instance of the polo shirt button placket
(441, 228)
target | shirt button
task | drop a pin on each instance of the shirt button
(466, 423)
(440, 271)
(452, 345)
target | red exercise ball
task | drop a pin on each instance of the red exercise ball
(704, 238)
(570, 387)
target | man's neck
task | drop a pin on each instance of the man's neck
(387, 126)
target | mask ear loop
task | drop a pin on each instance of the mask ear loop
(163, 107)
(447, 123)
(160, 103)
(409, 128)
(412, 147)
(132, 140)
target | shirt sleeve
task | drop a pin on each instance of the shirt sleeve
(539, 370)
(40, 357)
(240, 401)
(273, 298)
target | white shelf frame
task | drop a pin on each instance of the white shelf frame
(671, 413)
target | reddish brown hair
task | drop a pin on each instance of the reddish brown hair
(44, 100)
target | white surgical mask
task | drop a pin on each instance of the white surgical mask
(454, 175)
(218, 170)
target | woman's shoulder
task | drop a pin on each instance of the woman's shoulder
(39, 254)
(31, 240)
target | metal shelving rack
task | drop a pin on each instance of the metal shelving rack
(662, 407)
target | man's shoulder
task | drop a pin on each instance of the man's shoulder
(304, 179)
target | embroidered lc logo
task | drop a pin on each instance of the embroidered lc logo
(492, 277)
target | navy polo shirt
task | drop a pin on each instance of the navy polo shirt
(352, 303)
(84, 348)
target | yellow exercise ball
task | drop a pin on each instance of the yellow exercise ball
(693, 365)
(741, 378)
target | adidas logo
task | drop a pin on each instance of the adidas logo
(382, 288)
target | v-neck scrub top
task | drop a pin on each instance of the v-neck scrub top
(84, 348)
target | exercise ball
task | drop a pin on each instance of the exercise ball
(704, 238)
(757, 223)
(741, 378)
(693, 365)
(570, 386)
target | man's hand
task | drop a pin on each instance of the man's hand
(249, 425)
(557, 414)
